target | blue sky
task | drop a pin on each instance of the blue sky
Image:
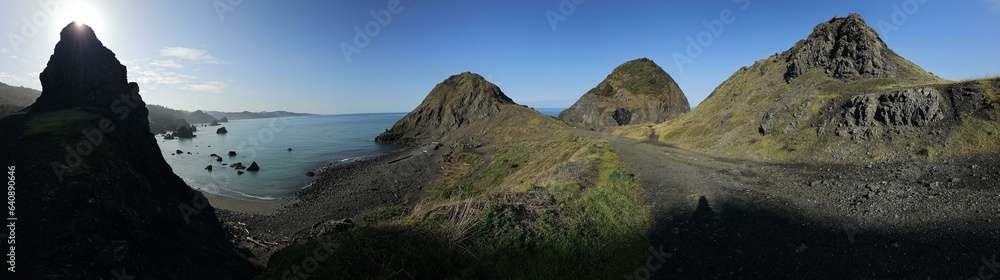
(234, 55)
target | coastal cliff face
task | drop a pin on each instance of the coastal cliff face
(96, 200)
(464, 110)
(638, 91)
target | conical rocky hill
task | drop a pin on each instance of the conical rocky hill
(839, 95)
(638, 91)
(95, 198)
(467, 111)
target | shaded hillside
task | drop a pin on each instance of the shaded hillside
(163, 119)
(638, 91)
(200, 117)
(14, 98)
(95, 198)
(840, 95)
(253, 115)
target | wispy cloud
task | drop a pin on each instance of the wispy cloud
(7, 77)
(18, 59)
(213, 87)
(167, 64)
(152, 77)
(196, 55)
(993, 4)
(4, 50)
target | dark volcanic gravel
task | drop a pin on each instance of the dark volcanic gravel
(728, 219)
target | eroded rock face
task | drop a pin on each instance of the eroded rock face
(638, 91)
(454, 103)
(870, 115)
(844, 48)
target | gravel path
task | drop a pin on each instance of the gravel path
(724, 219)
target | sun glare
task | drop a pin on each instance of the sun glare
(80, 12)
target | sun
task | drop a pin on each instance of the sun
(80, 12)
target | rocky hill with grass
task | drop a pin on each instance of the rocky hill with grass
(636, 92)
(467, 111)
(840, 95)
(95, 198)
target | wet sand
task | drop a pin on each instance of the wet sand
(245, 206)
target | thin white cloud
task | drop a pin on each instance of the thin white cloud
(4, 50)
(213, 87)
(7, 77)
(994, 5)
(200, 56)
(18, 59)
(167, 64)
(161, 77)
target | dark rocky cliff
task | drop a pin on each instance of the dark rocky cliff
(638, 91)
(95, 198)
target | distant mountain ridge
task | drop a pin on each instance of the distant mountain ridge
(254, 115)
(14, 98)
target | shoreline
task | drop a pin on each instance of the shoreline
(245, 206)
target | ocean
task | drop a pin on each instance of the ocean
(316, 141)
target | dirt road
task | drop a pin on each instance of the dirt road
(730, 219)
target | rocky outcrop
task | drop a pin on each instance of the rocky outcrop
(638, 91)
(99, 200)
(185, 132)
(869, 116)
(224, 119)
(253, 167)
(843, 48)
(458, 102)
(221, 130)
(214, 123)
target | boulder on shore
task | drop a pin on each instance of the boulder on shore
(221, 130)
(209, 167)
(232, 153)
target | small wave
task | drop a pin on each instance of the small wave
(216, 190)
(264, 198)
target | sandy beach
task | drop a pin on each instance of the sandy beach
(245, 206)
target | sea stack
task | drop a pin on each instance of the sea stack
(638, 91)
(111, 205)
